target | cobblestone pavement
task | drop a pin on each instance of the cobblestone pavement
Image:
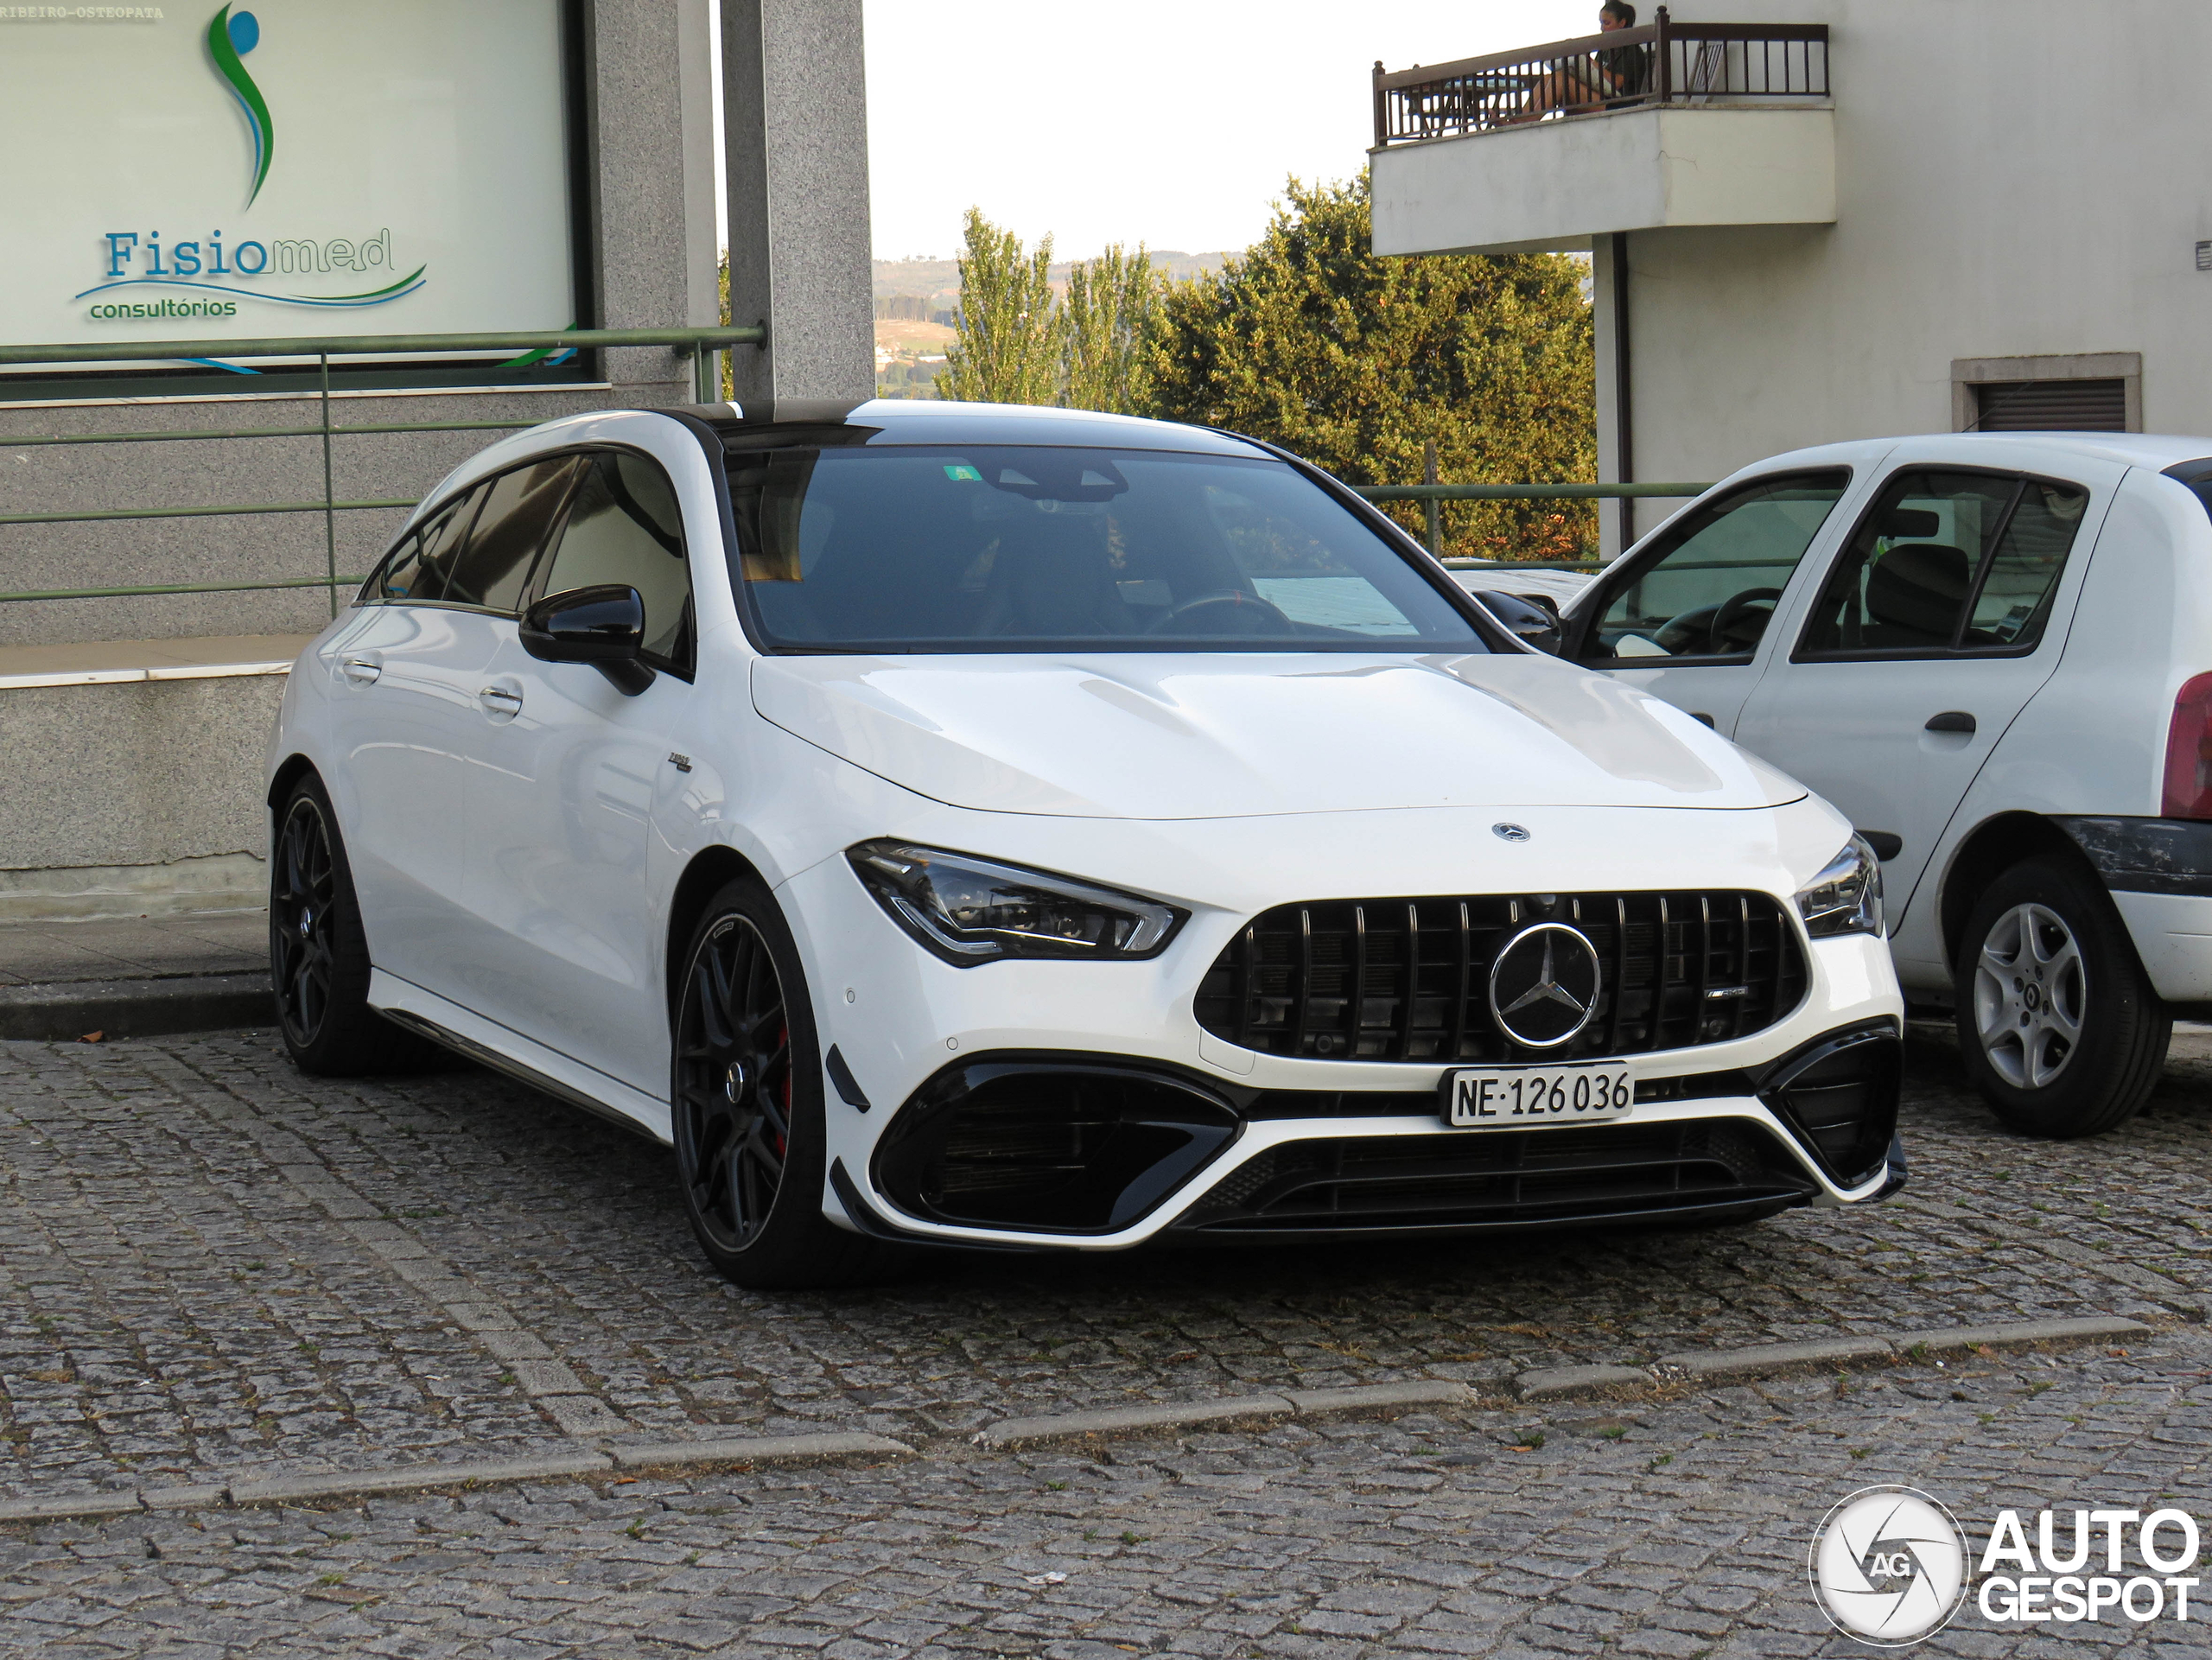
(210, 1266)
(1666, 1528)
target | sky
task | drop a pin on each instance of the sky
(1172, 122)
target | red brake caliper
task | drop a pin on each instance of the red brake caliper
(783, 1147)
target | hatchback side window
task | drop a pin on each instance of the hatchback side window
(416, 570)
(519, 512)
(1947, 561)
(2013, 601)
(625, 528)
(1710, 591)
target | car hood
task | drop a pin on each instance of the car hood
(1194, 736)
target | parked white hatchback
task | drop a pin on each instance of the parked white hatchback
(1019, 827)
(1990, 650)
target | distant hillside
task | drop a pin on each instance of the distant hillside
(938, 280)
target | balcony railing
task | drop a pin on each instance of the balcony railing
(1661, 62)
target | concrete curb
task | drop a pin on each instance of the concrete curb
(1548, 1384)
(1562, 1383)
(764, 1449)
(2019, 1334)
(1779, 1360)
(1771, 1360)
(1113, 1420)
(134, 1008)
(417, 1477)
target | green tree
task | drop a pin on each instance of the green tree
(1107, 325)
(1008, 347)
(1311, 340)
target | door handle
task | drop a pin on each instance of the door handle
(1951, 720)
(361, 670)
(500, 700)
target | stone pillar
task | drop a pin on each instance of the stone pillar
(651, 119)
(795, 117)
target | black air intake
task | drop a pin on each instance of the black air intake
(1039, 1143)
(1839, 1096)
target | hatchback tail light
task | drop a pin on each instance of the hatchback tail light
(2188, 792)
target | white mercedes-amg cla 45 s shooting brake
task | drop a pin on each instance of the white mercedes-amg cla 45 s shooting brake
(1025, 829)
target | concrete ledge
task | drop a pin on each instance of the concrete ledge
(188, 887)
(1768, 1358)
(2020, 1334)
(756, 1449)
(136, 1008)
(1562, 1383)
(1110, 1420)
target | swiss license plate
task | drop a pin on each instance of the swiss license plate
(1517, 1097)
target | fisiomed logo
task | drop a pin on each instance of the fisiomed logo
(1889, 1566)
(229, 39)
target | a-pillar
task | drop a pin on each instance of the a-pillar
(1610, 292)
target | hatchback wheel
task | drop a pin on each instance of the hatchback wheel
(748, 1107)
(318, 955)
(2059, 1026)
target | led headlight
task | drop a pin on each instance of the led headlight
(1846, 898)
(969, 911)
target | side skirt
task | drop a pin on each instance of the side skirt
(505, 1051)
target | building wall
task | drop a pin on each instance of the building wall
(2014, 178)
(651, 252)
(149, 797)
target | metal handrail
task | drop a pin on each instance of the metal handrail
(1371, 492)
(1527, 492)
(684, 341)
(1681, 62)
(702, 344)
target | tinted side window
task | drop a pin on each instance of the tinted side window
(416, 569)
(1712, 592)
(519, 511)
(443, 537)
(1947, 560)
(400, 575)
(625, 528)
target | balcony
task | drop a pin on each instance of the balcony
(1548, 147)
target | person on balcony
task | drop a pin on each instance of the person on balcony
(1605, 79)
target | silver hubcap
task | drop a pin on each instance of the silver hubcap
(733, 1082)
(2029, 994)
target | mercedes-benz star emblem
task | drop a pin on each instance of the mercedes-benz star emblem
(1543, 986)
(1510, 832)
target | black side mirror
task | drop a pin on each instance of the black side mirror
(1532, 623)
(603, 626)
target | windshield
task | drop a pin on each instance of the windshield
(991, 549)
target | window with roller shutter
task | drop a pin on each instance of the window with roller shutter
(2051, 406)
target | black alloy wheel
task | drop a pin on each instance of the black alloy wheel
(2059, 1027)
(748, 1105)
(318, 955)
(302, 922)
(734, 1083)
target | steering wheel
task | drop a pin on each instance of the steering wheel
(1251, 605)
(1733, 610)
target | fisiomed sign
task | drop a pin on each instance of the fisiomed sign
(234, 169)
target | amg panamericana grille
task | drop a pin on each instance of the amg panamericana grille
(1408, 979)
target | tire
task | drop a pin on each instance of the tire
(318, 954)
(747, 1106)
(2059, 1027)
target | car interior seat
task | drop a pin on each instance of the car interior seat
(1913, 594)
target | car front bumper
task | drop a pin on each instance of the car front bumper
(1292, 1148)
